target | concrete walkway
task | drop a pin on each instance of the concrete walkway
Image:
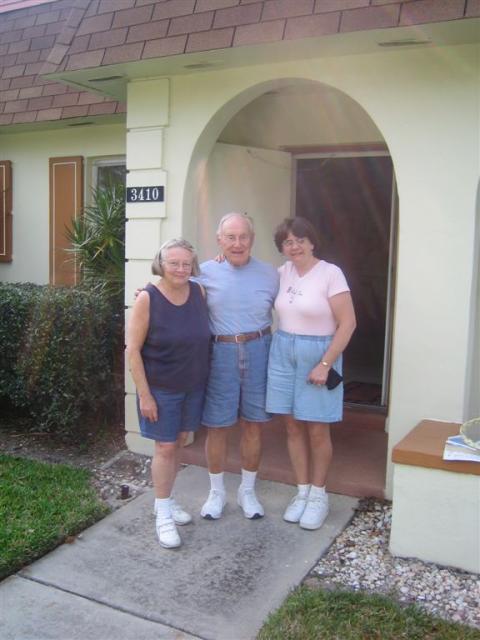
(116, 583)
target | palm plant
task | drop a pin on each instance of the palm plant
(98, 240)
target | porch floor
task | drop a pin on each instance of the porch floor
(359, 454)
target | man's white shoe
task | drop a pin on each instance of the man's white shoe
(295, 509)
(315, 512)
(167, 533)
(247, 499)
(213, 507)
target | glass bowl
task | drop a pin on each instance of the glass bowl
(470, 431)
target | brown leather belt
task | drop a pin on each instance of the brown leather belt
(243, 337)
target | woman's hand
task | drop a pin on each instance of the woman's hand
(219, 258)
(148, 407)
(318, 375)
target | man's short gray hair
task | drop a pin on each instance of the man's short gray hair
(235, 214)
(176, 243)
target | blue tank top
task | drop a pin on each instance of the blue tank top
(176, 350)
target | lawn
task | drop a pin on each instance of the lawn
(40, 506)
(312, 614)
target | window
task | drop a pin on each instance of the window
(107, 171)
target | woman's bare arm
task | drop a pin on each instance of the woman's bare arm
(136, 334)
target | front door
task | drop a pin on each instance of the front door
(350, 198)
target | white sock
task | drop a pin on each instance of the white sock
(216, 481)
(248, 479)
(303, 490)
(315, 492)
(162, 508)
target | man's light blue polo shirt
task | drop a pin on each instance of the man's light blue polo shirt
(239, 299)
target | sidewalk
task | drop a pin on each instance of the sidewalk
(116, 582)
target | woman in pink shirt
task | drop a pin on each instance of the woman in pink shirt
(315, 323)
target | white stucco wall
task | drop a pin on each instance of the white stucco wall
(436, 516)
(425, 102)
(313, 115)
(245, 179)
(29, 153)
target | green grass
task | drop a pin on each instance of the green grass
(40, 505)
(312, 614)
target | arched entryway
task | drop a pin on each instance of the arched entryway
(304, 148)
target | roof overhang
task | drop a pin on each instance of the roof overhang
(112, 80)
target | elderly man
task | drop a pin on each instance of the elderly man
(240, 295)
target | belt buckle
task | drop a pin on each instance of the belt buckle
(236, 336)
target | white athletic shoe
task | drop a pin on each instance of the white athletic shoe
(315, 512)
(213, 507)
(295, 509)
(167, 533)
(247, 499)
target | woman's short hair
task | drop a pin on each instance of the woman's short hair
(300, 228)
(176, 243)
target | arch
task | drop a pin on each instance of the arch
(219, 120)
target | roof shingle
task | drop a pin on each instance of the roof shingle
(28, 37)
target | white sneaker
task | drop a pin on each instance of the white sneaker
(315, 512)
(247, 499)
(295, 509)
(213, 507)
(167, 533)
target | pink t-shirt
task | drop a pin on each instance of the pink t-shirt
(302, 302)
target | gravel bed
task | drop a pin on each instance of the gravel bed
(359, 559)
(123, 478)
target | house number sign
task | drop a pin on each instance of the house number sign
(145, 194)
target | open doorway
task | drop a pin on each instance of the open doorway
(350, 198)
(255, 164)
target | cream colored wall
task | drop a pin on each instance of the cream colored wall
(245, 179)
(425, 102)
(436, 517)
(300, 116)
(472, 391)
(29, 153)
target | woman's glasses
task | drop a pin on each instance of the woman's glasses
(288, 244)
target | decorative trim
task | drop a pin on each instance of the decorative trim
(66, 203)
(361, 147)
(5, 211)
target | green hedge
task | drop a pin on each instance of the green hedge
(58, 350)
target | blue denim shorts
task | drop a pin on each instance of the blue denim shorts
(292, 357)
(177, 412)
(237, 383)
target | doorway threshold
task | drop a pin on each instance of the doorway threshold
(359, 454)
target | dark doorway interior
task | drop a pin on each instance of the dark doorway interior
(349, 200)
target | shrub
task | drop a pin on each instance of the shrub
(58, 349)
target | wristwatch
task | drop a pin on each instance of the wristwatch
(325, 363)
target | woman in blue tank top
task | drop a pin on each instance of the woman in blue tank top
(168, 347)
